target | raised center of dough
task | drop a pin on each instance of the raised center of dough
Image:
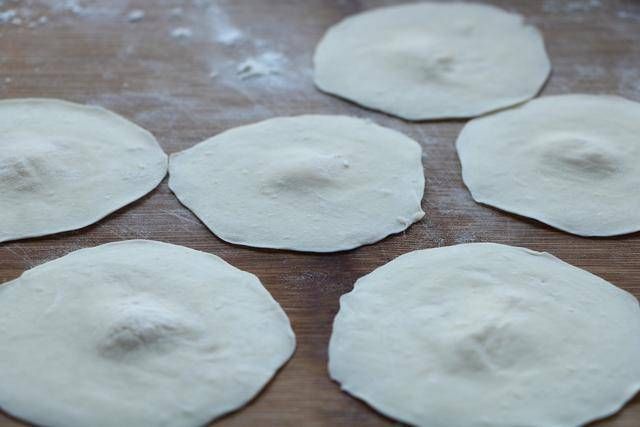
(581, 157)
(26, 165)
(489, 347)
(418, 56)
(142, 326)
(303, 171)
(494, 335)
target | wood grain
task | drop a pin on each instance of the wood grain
(94, 55)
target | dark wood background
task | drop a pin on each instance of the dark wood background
(89, 52)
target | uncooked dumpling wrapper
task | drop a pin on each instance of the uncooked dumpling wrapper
(64, 166)
(308, 183)
(570, 161)
(432, 60)
(136, 333)
(482, 334)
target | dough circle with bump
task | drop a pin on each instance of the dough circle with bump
(64, 166)
(570, 161)
(308, 183)
(483, 334)
(136, 333)
(429, 61)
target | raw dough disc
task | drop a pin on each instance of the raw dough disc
(433, 60)
(570, 161)
(307, 183)
(64, 166)
(136, 333)
(481, 335)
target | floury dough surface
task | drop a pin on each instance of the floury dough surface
(432, 60)
(136, 333)
(307, 183)
(482, 334)
(64, 166)
(570, 161)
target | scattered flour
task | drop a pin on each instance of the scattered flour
(224, 30)
(573, 6)
(270, 62)
(628, 81)
(135, 15)
(623, 14)
(465, 236)
(7, 16)
(71, 6)
(20, 16)
(589, 72)
(176, 12)
(181, 33)
(40, 21)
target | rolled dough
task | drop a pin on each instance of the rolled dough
(307, 183)
(136, 333)
(429, 61)
(482, 334)
(64, 166)
(570, 161)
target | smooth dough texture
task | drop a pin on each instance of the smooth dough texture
(136, 333)
(433, 60)
(64, 166)
(307, 183)
(483, 334)
(570, 161)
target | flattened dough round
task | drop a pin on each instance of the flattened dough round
(136, 333)
(64, 166)
(307, 183)
(482, 334)
(432, 60)
(570, 161)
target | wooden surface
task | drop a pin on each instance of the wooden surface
(90, 53)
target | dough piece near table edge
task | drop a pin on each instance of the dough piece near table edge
(485, 334)
(570, 161)
(137, 333)
(64, 166)
(429, 61)
(311, 183)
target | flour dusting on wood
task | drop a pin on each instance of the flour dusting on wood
(224, 31)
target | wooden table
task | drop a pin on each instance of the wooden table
(185, 89)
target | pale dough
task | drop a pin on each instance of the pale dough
(482, 335)
(432, 60)
(136, 333)
(64, 166)
(570, 161)
(307, 183)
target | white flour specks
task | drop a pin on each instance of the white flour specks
(22, 16)
(7, 16)
(624, 14)
(181, 33)
(176, 12)
(589, 72)
(70, 6)
(224, 30)
(135, 15)
(465, 236)
(40, 21)
(267, 63)
(573, 6)
(629, 81)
